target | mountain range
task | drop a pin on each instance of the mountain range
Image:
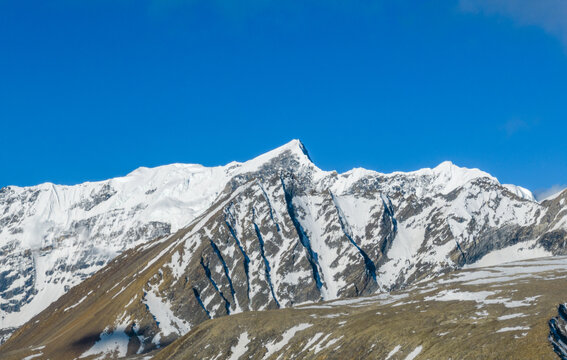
(127, 266)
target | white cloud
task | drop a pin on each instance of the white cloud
(550, 15)
(545, 193)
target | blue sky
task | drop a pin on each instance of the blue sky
(93, 89)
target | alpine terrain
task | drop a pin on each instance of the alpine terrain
(308, 263)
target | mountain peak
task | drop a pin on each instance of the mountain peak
(448, 169)
(294, 146)
(293, 149)
(448, 176)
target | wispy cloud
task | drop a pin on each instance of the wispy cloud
(550, 15)
(514, 126)
(545, 193)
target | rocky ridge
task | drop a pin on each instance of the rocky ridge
(277, 232)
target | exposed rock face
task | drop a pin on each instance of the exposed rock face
(273, 232)
(558, 332)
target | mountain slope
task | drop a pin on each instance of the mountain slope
(281, 232)
(496, 312)
(52, 237)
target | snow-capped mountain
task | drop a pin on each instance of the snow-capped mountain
(52, 236)
(272, 232)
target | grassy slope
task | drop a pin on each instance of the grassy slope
(67, 334)
(373, 327)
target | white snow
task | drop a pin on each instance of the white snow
(49, 290)
(448, 176)
(412, 355)
(520, 192)
(509, 271)
(455, 295)
(332, 316)
(240, 348)
(311, 341)
(511, 316)
(273, 347)
(131, 301)
(480, 297)
(316, 226)
(521, 251)
(406, 244)
(382, 299)
(111, 343)
(515, 328)
(161, 310)
(76, 304)
(324, 345)
(177, 265)
(32, 356)
(402, 253)
(393, 352)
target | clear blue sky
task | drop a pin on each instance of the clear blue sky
(93, 89)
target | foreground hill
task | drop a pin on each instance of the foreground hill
(497, 312)
(280, 233)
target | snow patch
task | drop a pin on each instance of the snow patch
(514, 328)
(511, 316)
(111, 343)
(168, 323)
(393, 352)
(240, 348)
(32, 356)
(412, 355)
(274, 347)
(522, 251)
